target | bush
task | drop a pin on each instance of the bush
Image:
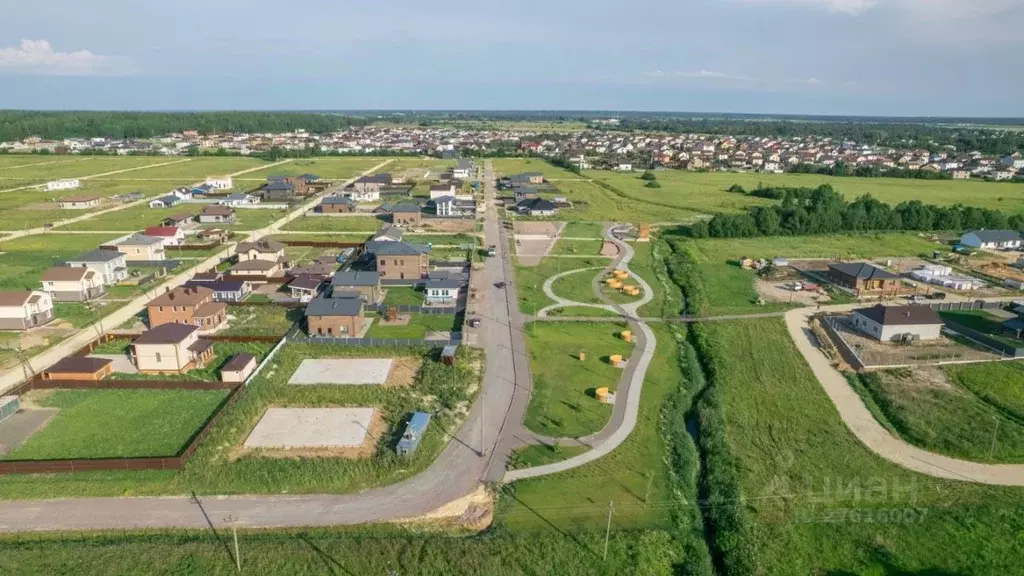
(649, 176)
(652, 184)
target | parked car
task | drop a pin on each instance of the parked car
(499, 284)
(937, 296)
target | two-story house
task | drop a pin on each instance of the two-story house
(366, 283)
(401, 260)
(406, 214)
(171, 349)
(171, 235)
(21, 310)
(110, 264)
(69, 284)
(263, 249)
(192, 305)
(139, 247)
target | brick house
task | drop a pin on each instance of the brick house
(406, 215)
(340, 316)
(401, 260)
(861, 276)
(193, 305)
(337, 205)
(365, 283)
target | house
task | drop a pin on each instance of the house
(193, 305)
(992, 239)
(463, 168)
(861, 276)
(217, 215)
(439, 190)
(388, 234)
(80, 368)
(406, 215)
(111, 265)
(214, 235)
(263, 249)
(536, 207)
(238, 368)
(520, 193)
(139, 247)
(339, 316)
(322, 269)
(442, 291)
(171, 349)
(895, 323)
(171, 235)
(68, 284)
(371, 185)
(445, 206)
(177, 220)
(401, 260)
(624, 167)
(1013, 161)
(277, 191)
(219, 182)
(79, 202)
(21, 310)
(164, 201)
(413, 433)
(336, 205)
(264, 269)
(223, 290)
(239, 199)
(63, 184)
(362, 282)
(305, 286)
(532, 177)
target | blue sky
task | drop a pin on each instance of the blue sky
(873, 57)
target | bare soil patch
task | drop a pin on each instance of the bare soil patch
(609, 249)
(778, 292)
(474, 511)
(403, 371)
(40, 206)
(917, 378)
(400, 320)
(377, 429)
(539, 228)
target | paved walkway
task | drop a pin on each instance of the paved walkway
(627, 405)
(563, 302)
(864, 426)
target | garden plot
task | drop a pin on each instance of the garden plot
(315, 429)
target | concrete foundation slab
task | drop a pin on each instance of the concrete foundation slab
(342, 371)
(311, 428)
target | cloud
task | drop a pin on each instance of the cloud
(39, 57)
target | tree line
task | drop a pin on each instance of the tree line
(822, 210)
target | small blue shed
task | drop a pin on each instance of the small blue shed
(413, 433)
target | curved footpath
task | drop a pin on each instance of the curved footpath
(627, 405)
(564, 302)
(862, 423)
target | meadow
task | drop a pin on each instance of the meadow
(1000, 384)
(577, 286)
(79, 167)
(119, 423)
(342, 168)
(335, 224)
(577, 247)
(24, 259)
(33, 208)
(508, 166)
(260, 320)
(530, 280)
(594, 203)
(563, 401)
(196, 169)
(708, 191)
(819, 501)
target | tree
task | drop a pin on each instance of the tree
(652, 184)
(648, 175)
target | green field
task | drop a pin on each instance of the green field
(195, 170)
(82, 314)
(325, 168)
(819, 501)
(577, 247)
(666, 300)
(593, 203)
(563, 401)
(581, 311)
(404, 295)
(442, 239)
(944, 418)
(1000, 384)
(583, 230)
(24, 259)
(530, 280)
(509, 166)
(77, 167)
(34, 208)
(707, 191)
(260, 320)
(541, 454)
(119, 423)
(335, 224)
(419, 325)
(577, 287)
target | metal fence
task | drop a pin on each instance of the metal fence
(456, 338)
(414, 309)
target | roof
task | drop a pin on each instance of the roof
(171, 333)
(347, 306)
(169, 199)
(443, 283)
(182, 296)
(265, 246)
(201, 345)
(238, 196)
(450, 350)
(392, 232)
(463, 163)
(140, 240)
(161, 231)
(406, 208)
(355, 278)
(440, 187)
(306, 282)
(238, 362)
(66, 274)
(337, 200)
(98, 256)
(218, 285)
(179, 217)
(900, 315)
(255, 265)
(863, 271)
(399, 249)
(443, 200)
(996, 235)
(210, 309)
(279, 185)
(536, 204)
(218, 211)
(79, 365)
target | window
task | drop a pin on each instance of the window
(160, 308)
(158, 358)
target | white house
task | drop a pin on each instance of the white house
(893, 323)
(79, 202)
(63, 184)
(112, 265)
(68, 284)
(462, 168)
(991, 239)
(624, 167)
(366, 195)
(239, 199)
(440, 190)
(442, 290)
(219, 182)
(21, 310)
(445, 206)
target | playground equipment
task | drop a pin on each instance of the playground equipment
(391, 314)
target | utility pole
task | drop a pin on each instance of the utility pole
(992, 449)
(608, 530)
(234, 533)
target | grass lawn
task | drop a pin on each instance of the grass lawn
(48, 168)
(983, 322)
(647, 263)
(707, 191)
(81, 314)
(582, 311)
(577, 247)
(563, 402)
(442, 239)
(820, 502)
(577, 499)
(583, 230)
(223, 351)
(404, 295)
(197, 169)
(325, 168)
(530, 279)
(577, 286)
(23, 260)
(594, 203)
(944, 418)
(260, 320)
(540, 454)
(113, 346)
(419, 325)
(366, 224)
(135, 218)
(119, 423)
(1000, 384)
(35, 208)
(341, 237)
(508, 166)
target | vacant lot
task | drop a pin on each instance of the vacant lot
(563, 401)
(583, 230)
(592, 202)
(825, 504)
(1000, 384)
(404, 296)
(577, 247)
(119, 423)
(57, 167)
(708, 191)
(509, 166)
(260, 320)
(23, 260)
(325, 168)
(197, 169)
(577, 286)
(34, 208)
(417, 328)
(335, 224)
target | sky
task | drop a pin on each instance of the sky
(843, 57)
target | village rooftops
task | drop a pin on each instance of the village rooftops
(17, 298)
(238, 362)
(536, 205)
(342, 305)
(171, 333)
(900, 315)
(863, 271)
(79, 365)
(140, 240)
(98, 256)
(256, 265)
(399, 249)
(218, 211)
(82, 198)
(183, 296)
(443, 283)
(265, 246)
(389, 232)
(996, 236)
(160, 231)
(306, 282)
(405, 208)
(357, 278)
(67, 274)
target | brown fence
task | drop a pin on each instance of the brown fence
(312, 244)
(197, 247)
(96, 464)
